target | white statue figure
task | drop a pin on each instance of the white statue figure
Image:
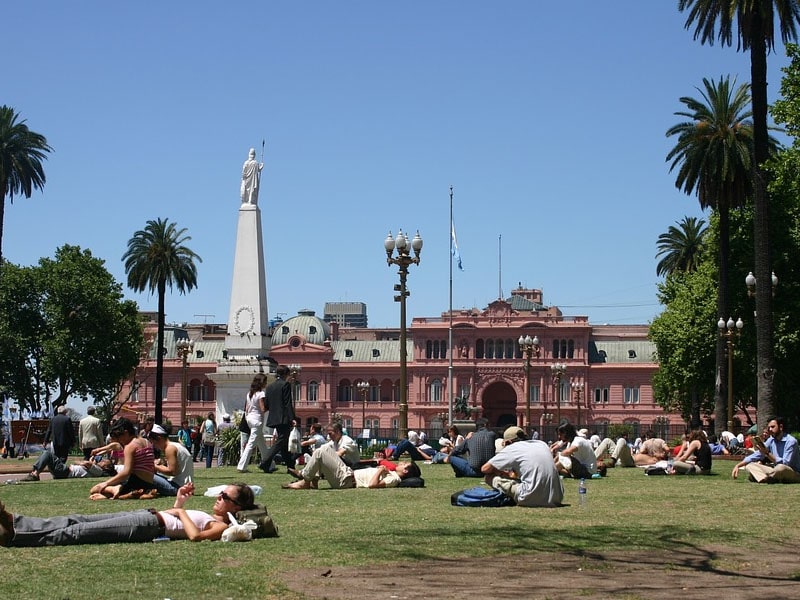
(251, 178)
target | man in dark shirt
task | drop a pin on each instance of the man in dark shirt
(61, 433)
(479, 448)
(280, 414)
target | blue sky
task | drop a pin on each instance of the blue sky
(547, 118)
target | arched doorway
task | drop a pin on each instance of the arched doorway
(499, 404)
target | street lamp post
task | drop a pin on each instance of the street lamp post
(577, 387)
(558, 370)
(728, 330)
(403, 260)
(185, 347)
(529, 347)
(363, 388)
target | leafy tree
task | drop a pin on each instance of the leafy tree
(681, 247)
(21, 154)
(157, 257)
(713, 156)
(755, 31)
(66, 330)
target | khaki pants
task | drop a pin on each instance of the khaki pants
(779, 473)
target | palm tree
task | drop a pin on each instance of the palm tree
(714, 160)
(21, 154)
(681, 247)
(755, 32)
(156, 257)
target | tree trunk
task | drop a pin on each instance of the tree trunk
(761, 225)
(162, 289)
(723, 310)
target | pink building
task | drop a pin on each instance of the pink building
(606, 377)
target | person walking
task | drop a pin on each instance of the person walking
(61, 433)
(254, 416)
(90, 433)
(209, 438)
(278, 398)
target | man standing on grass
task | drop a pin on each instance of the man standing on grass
(90, 433)
(774, 461)
(61, 433)
(280, 414)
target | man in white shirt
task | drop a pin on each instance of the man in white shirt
(574, 456)
(90, 433)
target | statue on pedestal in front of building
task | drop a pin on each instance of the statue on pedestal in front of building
(251, 178)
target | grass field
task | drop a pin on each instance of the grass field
(377, 528)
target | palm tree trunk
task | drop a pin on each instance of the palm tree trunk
(2, 219)
(162, 290)
(761, 226)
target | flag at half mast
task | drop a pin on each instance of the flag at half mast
(454, 245)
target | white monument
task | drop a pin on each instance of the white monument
(248, 341)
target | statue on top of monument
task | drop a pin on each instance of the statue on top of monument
(251, 178)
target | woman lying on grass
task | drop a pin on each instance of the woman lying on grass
(144, 525)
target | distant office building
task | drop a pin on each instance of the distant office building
(346, 314)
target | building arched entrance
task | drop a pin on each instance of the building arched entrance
(499, 404)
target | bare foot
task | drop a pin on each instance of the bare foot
(297, 485)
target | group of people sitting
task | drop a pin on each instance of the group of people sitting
(129, 463)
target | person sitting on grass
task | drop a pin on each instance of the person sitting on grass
(326, 462)
(135, 479)
(144, 525)
(775, 460)
(695, 457)
(652, 450)
(175, 467)
(574, 456)
(48, 461)
(524, 470)
(617, 453)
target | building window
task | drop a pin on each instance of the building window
(312, 330)
(348, 352)
(373, 424)
(429, 349)
(534, 394)
(436, 391)
(374, 393)
(345, 391)
(563, 392)
(295, 391)
(479, 349)
(631, 395)
(555, 348)
(570, 348)
(195, 391)
(209, 391)
(601, 395)
(510, 345)
(285, 330)
(312, 391)
(489, 349)
(135, 391)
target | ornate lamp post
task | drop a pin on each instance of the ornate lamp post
(729, 330)
(185, 347)
(529, 347)
(558, 370)
(750, 282)
(403, 260)
(363, 388)
(294, 373)
(577, 388)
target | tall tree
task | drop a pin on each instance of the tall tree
(755, 31)
(713, 159)
(21, 154)
(157, 258)
(681, 247)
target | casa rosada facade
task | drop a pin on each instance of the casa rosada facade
(593, 375)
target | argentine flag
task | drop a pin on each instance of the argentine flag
(454, 246)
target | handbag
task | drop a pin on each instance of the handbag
(209, 438)
(244, 427)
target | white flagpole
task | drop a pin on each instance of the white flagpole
(450, 330)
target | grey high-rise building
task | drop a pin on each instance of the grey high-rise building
(346, 314)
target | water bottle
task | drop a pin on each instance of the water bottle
(670, 467)
(582, 493)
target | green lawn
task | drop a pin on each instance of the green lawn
(329, 528)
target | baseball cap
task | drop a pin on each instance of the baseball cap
(513, 433)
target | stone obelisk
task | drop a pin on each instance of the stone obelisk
(247, 342)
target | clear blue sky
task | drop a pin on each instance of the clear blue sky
(548, 118)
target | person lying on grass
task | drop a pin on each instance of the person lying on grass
(144, 525)
(327, 463)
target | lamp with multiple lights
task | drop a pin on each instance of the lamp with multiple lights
(185, 347)
(729, 330)
(530, 348)
(558, 369)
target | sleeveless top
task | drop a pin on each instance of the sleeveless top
(173, 526)
(144, 460)
(703, 457)
(252, 410)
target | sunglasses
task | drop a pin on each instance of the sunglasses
(225, 496)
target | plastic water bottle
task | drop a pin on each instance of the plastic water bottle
(670, 467)
(582, 500)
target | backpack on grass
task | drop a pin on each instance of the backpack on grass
(481, 496)
(265, 526)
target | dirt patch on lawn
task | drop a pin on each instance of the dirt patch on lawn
(693, 572)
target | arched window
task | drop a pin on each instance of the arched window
(510, 348)
(489, 349)
(436, 391)
(555, 348)
(345, 391)
(563, 348)
(195, 390)
(312, 391)
(444, 349)
(296, 391)
(209, 391)
(479, 349)
(429, 349)
(570, 348)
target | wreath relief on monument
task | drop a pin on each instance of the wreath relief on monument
(250, 316)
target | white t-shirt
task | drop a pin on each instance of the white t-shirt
(584, 453)
(351, 452)
(253, 412)
(173, 526)
(364, 476)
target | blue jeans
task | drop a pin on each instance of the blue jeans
(164, 486)
(134, 526)
(462, 467)
(406, 446)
